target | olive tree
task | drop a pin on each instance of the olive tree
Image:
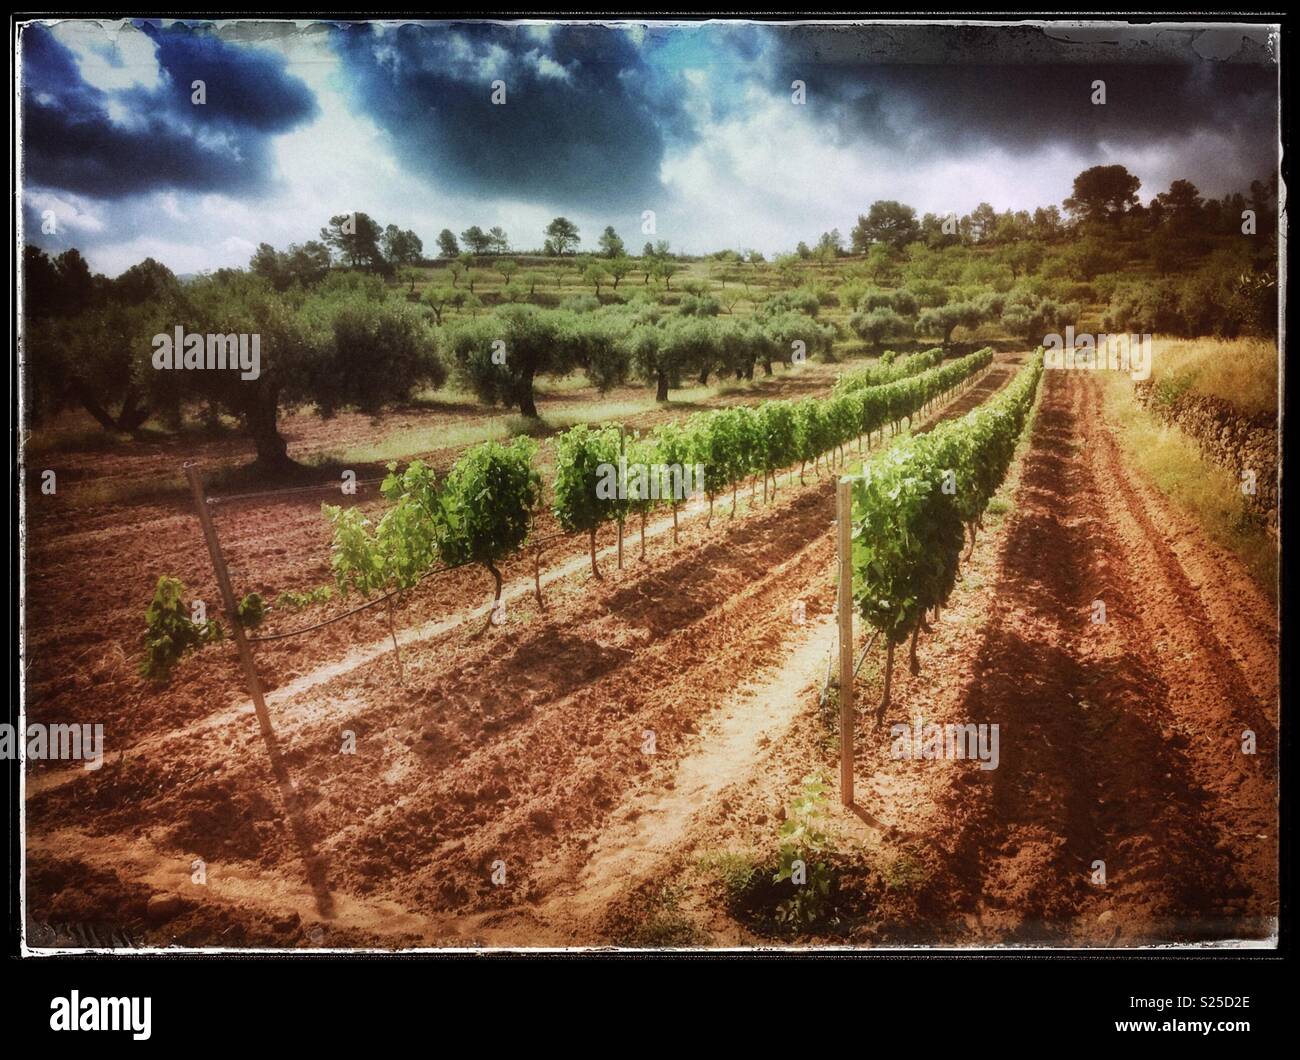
(879, 326)
(341, 347)
(501, 355)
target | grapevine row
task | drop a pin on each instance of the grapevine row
(887, 370)
(483, 511)
(731, 445)
(914, 505)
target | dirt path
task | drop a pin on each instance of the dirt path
(646, 830)
(1121, 741)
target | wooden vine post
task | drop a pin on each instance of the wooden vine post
(622, 484)
(844, 613)
(228, 599)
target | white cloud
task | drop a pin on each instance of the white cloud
(170, 205)
(111, 56)
(238, 247)
(181, 257)
(547, 67)
(71, 212)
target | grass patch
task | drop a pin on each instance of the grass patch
(1210, 494)
(404, 443)
(76, 432)
(561, 385)
(736, 873)
(449, 397)
(902, 872)
(127, 490)
(73, 439)
(1242, 372)
(662, 924)
(599, 412)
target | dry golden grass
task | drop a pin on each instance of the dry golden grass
(1210, 494)
(1241, 371)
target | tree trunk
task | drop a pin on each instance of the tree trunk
(594, 570)
(496, 592)
(261, 417)
(91, 405)
(133, 414)
(889, 674)
(661, 387)
(392, 630)
(527, 403)
(643, 519)
(674, 522)
(912, 663)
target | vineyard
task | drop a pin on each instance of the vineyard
(489, 714)
(622, 537)
(483, 512)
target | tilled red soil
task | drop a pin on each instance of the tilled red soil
(507, 746)
(489, 794)
(91, 571)
(1121, 740)
(1121, 743)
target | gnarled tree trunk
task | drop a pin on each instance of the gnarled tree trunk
(261, 416)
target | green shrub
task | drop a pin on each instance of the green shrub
(802, 843)
(169, 632)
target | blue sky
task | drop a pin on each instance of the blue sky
(601, 123)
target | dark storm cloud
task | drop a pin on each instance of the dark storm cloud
(598, 133)
(586, 118)
(72, 143)
(935, 89)
(967, 108)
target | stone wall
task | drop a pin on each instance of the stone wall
(1227, 437)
